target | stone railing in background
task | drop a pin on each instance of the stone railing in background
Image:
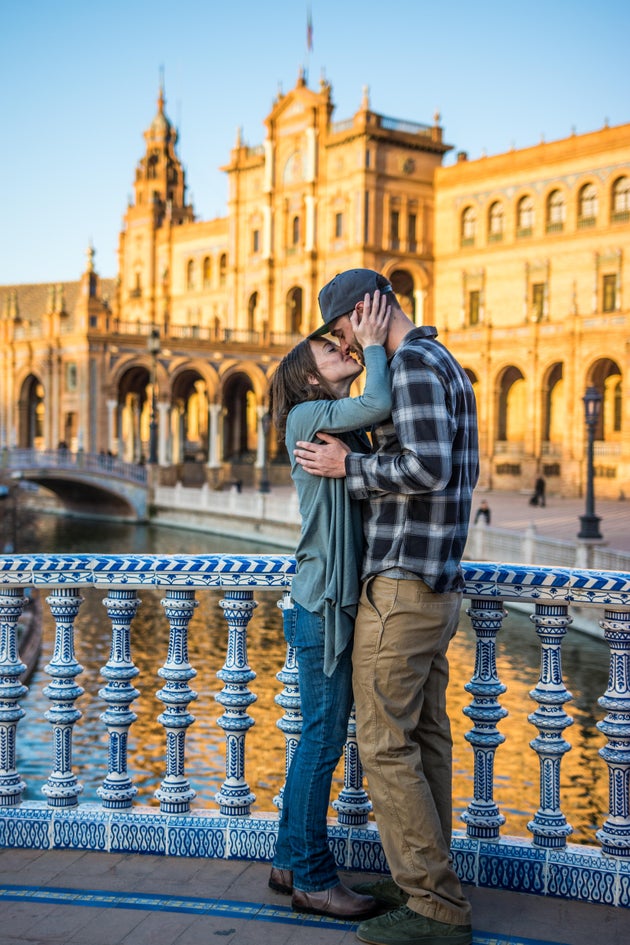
(484, 856)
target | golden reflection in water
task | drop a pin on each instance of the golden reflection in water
(584, 778)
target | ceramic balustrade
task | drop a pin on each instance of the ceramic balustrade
(484, 854)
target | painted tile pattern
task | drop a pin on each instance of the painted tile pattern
(546, 865)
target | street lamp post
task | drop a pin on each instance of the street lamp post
(589, 527)
(266, 427)
(153, 345)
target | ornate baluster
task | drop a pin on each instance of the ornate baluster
(482, 817)
(62, 787)
(289, 699)
(353, 804)
(175, 792)
(12, 602)
(614, 835)
(117, 790)
(549, 826)
(235, 797)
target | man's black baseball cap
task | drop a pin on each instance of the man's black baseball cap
(341, 294)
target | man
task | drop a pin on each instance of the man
(418, 482)
(483, 512)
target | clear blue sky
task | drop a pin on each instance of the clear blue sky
(79, 84)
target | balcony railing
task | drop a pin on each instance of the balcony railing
(483, 856)
(509, 447)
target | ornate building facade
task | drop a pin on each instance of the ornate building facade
(521, 260)
(532, 292)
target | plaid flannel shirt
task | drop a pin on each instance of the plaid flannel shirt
(420, 477)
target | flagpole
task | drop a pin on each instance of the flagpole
(309, 41)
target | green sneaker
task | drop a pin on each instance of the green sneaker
(405, 927)
(385, 891)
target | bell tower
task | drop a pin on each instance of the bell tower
(158, 205)
(160, 180)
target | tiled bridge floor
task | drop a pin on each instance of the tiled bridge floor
(67, 897)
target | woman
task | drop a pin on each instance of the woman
(310, 394)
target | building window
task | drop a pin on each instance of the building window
(251, 311)
(256, 241)
(621, 200)
(394, 229)
(411, 233)
(190, 274)
(469, 227)
(295, 232)
(222, 269)
(609, 293)
(538, 301)
(207, 272)
(71, 376)
(556, 212)
(474, 299)
(525, 216)
(495, 222)
(587, 206)
(338, 225)
(294, 311)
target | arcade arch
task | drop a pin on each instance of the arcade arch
(605, 375)
(240, 421)
(31, 411)
(511, 404)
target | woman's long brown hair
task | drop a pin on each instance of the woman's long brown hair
(292, 384)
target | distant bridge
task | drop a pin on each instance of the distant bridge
(88, 484)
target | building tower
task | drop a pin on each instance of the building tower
(158, 205)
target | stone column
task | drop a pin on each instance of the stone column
(163, 410)
(112, 431)
(214, 443)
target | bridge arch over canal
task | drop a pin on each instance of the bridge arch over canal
(88, 484)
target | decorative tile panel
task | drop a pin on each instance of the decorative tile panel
(570, 872)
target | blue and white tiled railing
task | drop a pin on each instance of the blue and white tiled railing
(546, 864)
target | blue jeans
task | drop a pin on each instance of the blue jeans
(326, 702)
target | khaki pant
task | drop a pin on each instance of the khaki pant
(400, 674)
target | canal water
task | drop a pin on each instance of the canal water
(584, 780)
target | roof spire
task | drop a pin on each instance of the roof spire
(161, 92)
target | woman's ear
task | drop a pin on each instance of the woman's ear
(313, 380)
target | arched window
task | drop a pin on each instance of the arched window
(251, 311)
(556, 212)
(294, 311)
(295, 232)
(207, 272)
(525, 216)
(587, 205)
(469, 226)
(222, 269)
(190, 274)
(495, 221)
(621, 200)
